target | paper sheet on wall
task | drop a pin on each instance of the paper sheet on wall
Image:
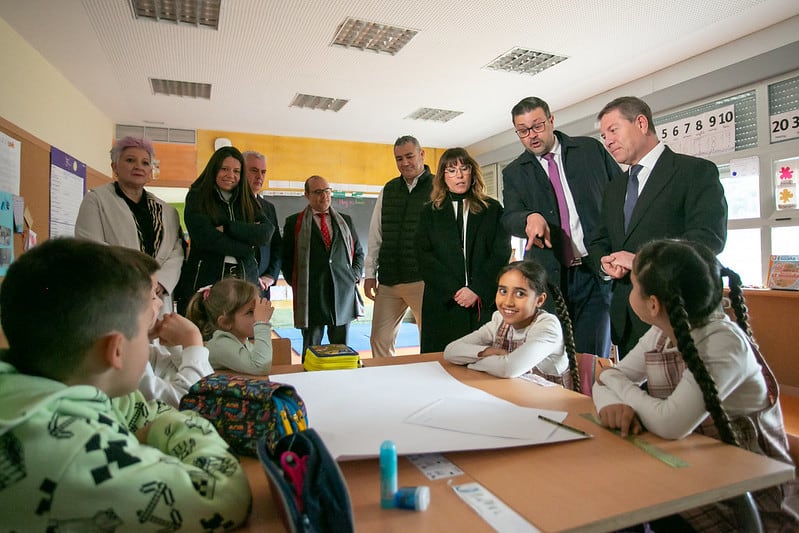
(6, 231)
(67, 185)
(10, 152)
(356, 410)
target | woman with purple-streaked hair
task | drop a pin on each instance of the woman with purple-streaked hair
(124, 214)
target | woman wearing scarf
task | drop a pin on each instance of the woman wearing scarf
(323, 261)
(122, 213)
(461, 247)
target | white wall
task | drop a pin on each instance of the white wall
(37, 98)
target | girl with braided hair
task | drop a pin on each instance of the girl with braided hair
(703, 373)
(521, 336)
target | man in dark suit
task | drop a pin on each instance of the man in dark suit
(662, 195)
(322, 260)
(552, 195)
(270, 254)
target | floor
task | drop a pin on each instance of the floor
(283, 318)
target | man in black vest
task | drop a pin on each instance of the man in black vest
(391, 254)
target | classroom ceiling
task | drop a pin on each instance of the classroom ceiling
(265, 52)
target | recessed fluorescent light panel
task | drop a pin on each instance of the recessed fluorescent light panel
(437, 115)
(195, 12)
(365, 35)
(181, 88)
(523, 61)
(323, 103)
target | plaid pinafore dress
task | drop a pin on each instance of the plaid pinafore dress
(761, 432)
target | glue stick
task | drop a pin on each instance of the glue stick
(388, 474)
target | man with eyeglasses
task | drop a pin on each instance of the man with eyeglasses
(269, 258)
(322, 260)
(553, 196)
(391, 254)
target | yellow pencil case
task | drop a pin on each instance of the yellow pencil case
(331, 357)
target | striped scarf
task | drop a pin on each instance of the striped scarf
(157, 215)
(302, 258)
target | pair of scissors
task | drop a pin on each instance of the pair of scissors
(294, 468)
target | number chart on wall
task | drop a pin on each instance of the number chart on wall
(711, 132)
(783, 103)
(716, 127)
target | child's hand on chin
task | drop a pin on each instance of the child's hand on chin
(622, 417)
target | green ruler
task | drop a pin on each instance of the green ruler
(641, 444)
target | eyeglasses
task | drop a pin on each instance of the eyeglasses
(538, 127)
(453, 171)
(322, 192)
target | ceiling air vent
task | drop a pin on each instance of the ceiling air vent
(157, 134)
(523, 61)
(437, 115)
(371, 36)
(323, 103)
(199, 13)
(187, 89)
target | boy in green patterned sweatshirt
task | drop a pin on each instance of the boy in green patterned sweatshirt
(80, 447)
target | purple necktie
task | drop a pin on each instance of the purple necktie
(632, 194)
(563, 209)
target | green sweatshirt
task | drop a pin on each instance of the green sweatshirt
(69, 459)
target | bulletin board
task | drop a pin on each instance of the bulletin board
(34, 184)
(35, 180)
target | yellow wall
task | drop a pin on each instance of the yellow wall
(39, 99)
(297, 158)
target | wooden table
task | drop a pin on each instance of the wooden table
(597, 484)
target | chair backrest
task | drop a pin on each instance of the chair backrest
(281, 351)
(587, 367)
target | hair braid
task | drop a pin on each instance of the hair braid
(568, 334)
(678, 318)
(740, 311)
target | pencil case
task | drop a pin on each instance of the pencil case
(244, 409)
(331, 357)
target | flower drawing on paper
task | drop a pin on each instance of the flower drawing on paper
(786, 173)
(786, 196)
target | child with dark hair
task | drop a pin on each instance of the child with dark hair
(79, 445)
(703, 372)
(229, 313)
(521, 336)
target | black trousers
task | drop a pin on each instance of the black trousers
(312, 335)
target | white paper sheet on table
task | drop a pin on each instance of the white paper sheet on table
(485, 418)
(356, 410)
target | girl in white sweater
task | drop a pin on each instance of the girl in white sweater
(521, 336)
(703, 373)
(231, 312)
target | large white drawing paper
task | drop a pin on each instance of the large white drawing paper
(356, 410)
(487, 418)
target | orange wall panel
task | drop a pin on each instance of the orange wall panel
(297, 158)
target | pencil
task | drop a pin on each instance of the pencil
(564, 426)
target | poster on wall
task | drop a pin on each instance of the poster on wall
(10, 150)
(6, 231)
(702, 134)
(67, 185)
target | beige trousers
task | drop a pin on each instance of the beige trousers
(391, 303)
